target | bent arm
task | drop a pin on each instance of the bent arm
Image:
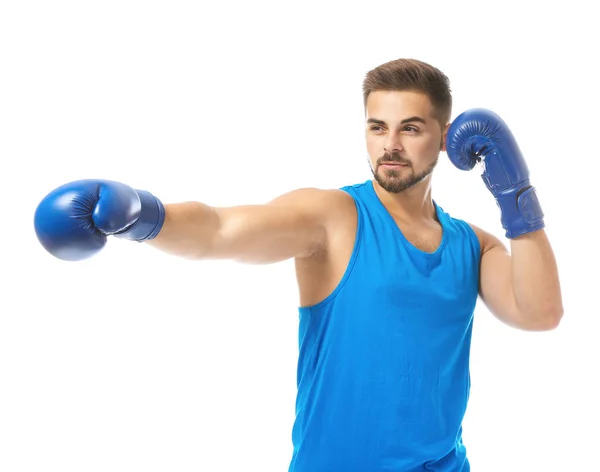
(293, 225)
(521, 287)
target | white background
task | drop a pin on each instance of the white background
(137, 361)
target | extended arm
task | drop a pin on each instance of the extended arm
(73, 222)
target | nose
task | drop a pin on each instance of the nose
(393, 144)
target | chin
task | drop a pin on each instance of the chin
(391, 185)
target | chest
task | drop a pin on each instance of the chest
(416, 269)
(407, 293)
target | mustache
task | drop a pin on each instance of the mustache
(393, 157)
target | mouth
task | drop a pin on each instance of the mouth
(393, 164)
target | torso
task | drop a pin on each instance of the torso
(390, 347)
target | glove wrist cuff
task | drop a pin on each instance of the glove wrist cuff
(150, 221)
(521, 211)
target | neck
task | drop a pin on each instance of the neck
(413, 204)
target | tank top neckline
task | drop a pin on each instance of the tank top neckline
(411, 247)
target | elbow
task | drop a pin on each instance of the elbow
(551, 321)
(547, 319)
(555, 316)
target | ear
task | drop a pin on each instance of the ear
(444, 137)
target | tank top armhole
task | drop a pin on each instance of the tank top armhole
(473, 237)
(351, 261)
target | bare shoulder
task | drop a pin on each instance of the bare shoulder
(313, 196)
(328, 205)
(486, 239)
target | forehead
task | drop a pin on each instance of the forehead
(395, 105)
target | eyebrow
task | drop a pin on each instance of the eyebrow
(412, 119)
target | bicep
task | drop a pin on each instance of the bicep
(495, 279)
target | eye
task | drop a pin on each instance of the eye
(376, 128)
(411, 129)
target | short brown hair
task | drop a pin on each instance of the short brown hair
(413, 75)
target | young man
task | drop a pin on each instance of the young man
(388, 281)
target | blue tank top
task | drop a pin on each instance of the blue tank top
(383, 370)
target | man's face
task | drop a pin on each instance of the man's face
(404, 138)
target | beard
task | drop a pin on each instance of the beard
(392, 180)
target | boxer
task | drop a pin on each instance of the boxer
(388, 281)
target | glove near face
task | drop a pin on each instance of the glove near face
(479, 135)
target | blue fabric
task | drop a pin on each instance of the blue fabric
(383, 369)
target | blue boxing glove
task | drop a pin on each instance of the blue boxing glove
(479, 135)
(73, 221)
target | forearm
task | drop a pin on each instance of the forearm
(189, 231)
(536, 284)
